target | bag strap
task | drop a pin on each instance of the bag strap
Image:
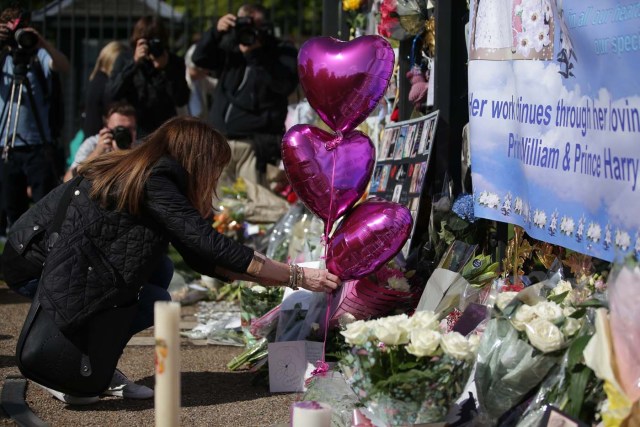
(61, 212)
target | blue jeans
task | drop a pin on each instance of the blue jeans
(28, 289)
(154, 290)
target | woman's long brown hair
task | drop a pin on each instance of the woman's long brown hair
(121, 175)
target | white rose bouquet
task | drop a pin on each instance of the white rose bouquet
(404, 369)
(520, 346)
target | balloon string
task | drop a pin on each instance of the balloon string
(329, 223)
(321, 366)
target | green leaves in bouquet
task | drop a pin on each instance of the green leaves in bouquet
(253, 353)
(443, 376)
(391, 371)
(593, 303)
(558, 299)
(257, 300)
(585, 389)
(454, 228)
(480, 271)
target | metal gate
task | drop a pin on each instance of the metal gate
(80, 28)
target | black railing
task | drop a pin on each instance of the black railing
(80, 28)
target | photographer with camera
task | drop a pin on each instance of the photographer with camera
(27, 62)
(256, 74)
(152, 79)
(118, 133)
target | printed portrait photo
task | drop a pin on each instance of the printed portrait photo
(391, 145)
(417, 138)
(421, 175)
(402, 137)
(414, 178)
(384, 178)
(375, 180)
(396, 193)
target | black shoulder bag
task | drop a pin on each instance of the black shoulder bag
(79, 364)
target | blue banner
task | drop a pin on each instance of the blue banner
(554, 120)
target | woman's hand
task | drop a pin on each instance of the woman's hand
(319, 280)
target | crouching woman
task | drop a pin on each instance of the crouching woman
(128, 206)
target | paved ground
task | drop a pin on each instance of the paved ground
(211, 394)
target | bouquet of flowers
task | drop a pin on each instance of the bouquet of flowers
(524, 341)
(404, 369)
(230, 220)
(257, 300)
(571, 387)
(355, 11)
(281, 233)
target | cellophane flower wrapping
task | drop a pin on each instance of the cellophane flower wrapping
(624, 317)
(304, 320)
(522, 344)
(257, 300)
(405, 370)
(282, 232)
(306, 244)
(507, 369)
(331, 388)
(571, 386)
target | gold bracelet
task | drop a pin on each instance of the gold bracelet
(299, 276)
(293, 279)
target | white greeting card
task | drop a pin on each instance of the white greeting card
(291, 363)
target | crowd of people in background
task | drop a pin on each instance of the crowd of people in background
(236, 76)
(140, 163)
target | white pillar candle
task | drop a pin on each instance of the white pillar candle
(167, 391)
(310, 414)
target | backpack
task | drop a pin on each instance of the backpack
(80, 363)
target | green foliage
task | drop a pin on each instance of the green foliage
(181, 267)
(480, 271)
(390, 374)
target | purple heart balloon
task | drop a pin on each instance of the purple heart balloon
(369, 236)
(344, 81)
(328, 173)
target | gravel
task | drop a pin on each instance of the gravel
(211, 394)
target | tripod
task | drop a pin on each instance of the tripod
(27, 154)
(19, 82)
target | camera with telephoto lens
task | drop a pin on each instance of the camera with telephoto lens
(21, 38)
(156, 47)
(26, 40)
(245, 32)
(122, 137)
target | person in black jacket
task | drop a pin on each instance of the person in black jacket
(152, 80)
(256, 74)
(129, 206)
(96, 103)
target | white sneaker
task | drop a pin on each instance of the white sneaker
(122, 386)
(68, 399)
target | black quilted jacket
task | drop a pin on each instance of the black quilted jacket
(103, 256)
